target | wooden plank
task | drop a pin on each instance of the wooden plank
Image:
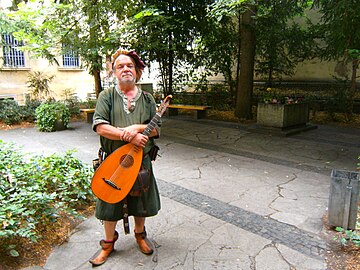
(189, 107)
(199, 111)
(87, 110)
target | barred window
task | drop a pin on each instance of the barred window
(13, 57)
(70, 59)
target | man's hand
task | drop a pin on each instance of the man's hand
(130, 132)
(140, 140)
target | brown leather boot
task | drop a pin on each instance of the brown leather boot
(142, 241)
(106, 249)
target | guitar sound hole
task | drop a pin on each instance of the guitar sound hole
(126, 161)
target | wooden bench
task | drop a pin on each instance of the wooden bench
(89, 114)
(199, 111)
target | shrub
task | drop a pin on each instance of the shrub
(35, 192)
(28, 111)
(10, 112)
(48, 113)
(38, 83)
(219, 92)
(71, 101)
(88, 104)
(346, 236)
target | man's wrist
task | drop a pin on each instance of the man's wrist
(121, 133)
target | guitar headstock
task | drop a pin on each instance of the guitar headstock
(164, 104)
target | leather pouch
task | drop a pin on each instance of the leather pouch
(153, 153)
(142, 183)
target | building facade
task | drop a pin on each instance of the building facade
(16, 65)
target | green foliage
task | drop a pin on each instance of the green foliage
(358, 165)
(88, 104)
(85, 27)
(48, 114)
(210, 95)
(348, 236)
(36, 191)
(219, 92)
(10, 112)
(340, 101)
(166, 32)
(71, 101)
(343, 17)
(28, 111)
(38, 82)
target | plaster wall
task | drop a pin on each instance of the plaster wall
(13, 81)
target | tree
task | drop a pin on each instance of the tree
(339, 28)
(282, 42)
(218, 50)
(166, 32)
(254, 32)
(89, 28)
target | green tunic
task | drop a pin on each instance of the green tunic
(110, 110)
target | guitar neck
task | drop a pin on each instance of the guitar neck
(154, 121)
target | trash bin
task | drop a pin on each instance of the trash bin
(343, 199)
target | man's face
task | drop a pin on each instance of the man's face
(125, 69)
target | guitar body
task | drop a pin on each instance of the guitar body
(115, 176)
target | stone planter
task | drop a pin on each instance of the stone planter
(283, 116)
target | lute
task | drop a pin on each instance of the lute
(116, 175)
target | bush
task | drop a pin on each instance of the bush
(88, 104)
(219, 92)
(28, 111)
(38, 83)
(48, 113)
(34, 193)
(10, 112)
(71, 101)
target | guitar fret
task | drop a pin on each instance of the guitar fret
(154, 121)
(151, 125)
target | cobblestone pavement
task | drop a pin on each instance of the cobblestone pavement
(231, 198)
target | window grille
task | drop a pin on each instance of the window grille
(13, 57)
(70, 59)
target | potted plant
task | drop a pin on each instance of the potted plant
(52, 116)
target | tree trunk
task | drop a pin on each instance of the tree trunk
(352, 90)
(234, 94)
(171, 64)
(245, 87)
(97, 81)
(355, 66)
(170, 53)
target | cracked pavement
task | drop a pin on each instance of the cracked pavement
(231, 199)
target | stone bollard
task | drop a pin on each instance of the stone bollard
(344, 198)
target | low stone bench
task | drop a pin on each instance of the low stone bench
(89, 114)
(199, 111)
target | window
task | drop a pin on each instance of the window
(70, 59)
(13, 57)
